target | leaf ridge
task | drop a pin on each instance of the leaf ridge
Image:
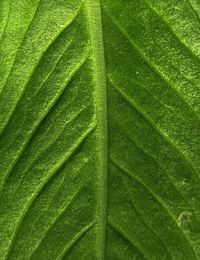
(75, 240)
(6, 23)
(59, 215)
(193, 9)
(46, 78)
(55, 170)
(23, 39)
(158, 164)
(149, 120)
(160, 202)
(123, 235)
(156, 70)
(43, 151)
(192, 54)
(142, 218)
(136, 83)
(49, 182)
(35, 67)
(44, 116)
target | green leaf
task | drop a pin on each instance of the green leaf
(99, 129)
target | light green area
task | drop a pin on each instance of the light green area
(99, 129)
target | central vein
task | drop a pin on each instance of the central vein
(96, 35)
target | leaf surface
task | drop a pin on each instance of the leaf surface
(99, 129)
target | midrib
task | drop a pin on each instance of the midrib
(96, 34)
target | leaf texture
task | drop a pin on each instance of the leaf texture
(99, 129)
